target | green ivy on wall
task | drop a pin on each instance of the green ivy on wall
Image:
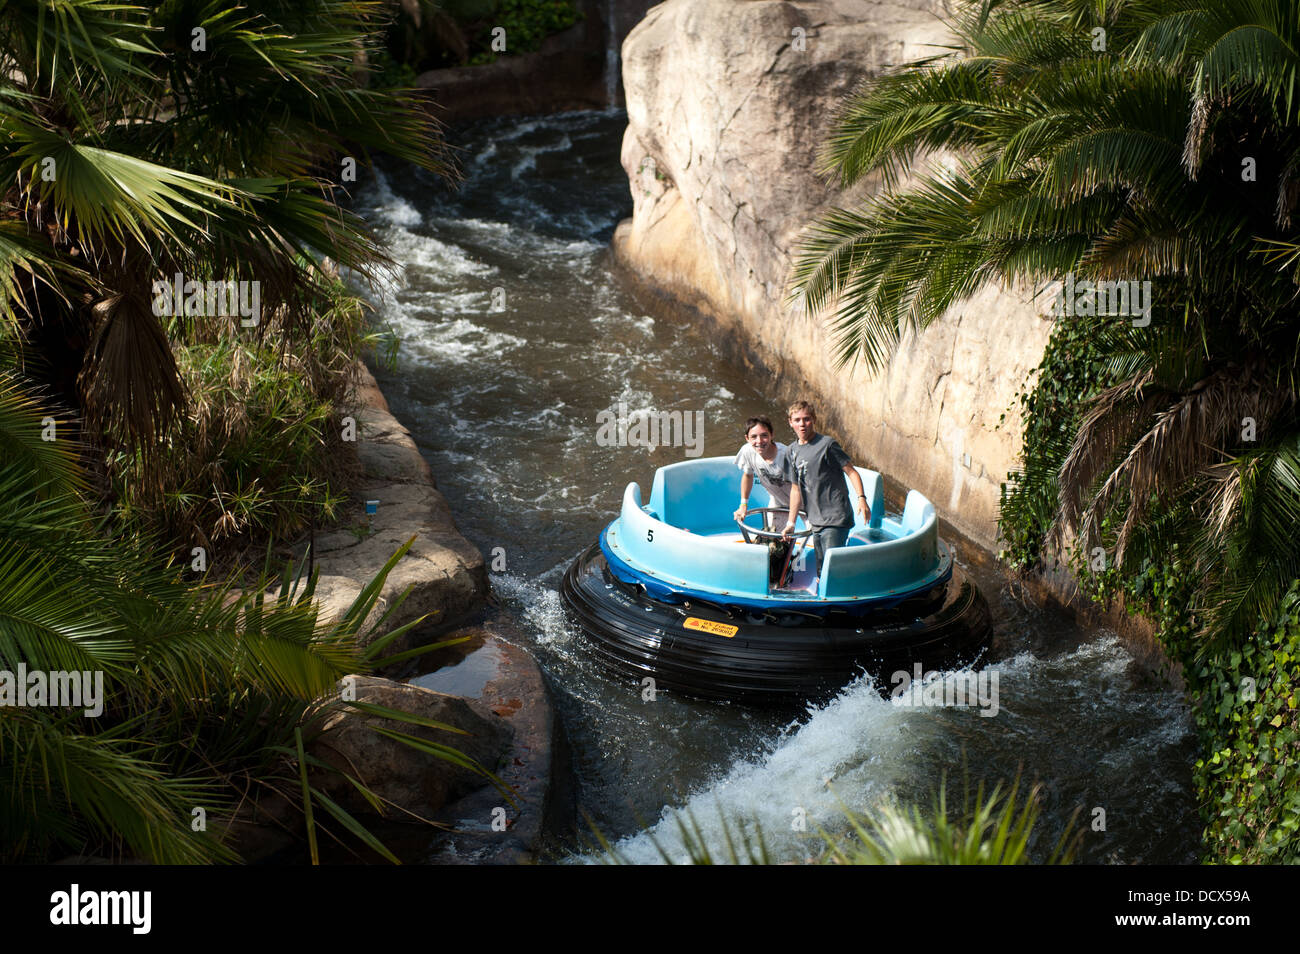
(1072, 370)
(1246, 701)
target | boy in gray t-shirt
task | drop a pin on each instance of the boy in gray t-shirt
(816, 465)
(764, 457)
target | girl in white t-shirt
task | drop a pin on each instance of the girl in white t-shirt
(765, 457)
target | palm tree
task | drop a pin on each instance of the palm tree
(204, 691)
(141, 142)
(201, 139)
(1150, 141)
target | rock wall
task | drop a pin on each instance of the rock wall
(444, 572)
(728, 102)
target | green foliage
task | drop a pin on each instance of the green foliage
(389, 73)
(526, 22)
(996, 829)
(1248, 780)
(1248, 716)
(204, 687)
(257, 452)
(992, 830)
(250, 458)
(1052, 405)
(201, 139)
(425, 35)
(746, 846)
(140, 142)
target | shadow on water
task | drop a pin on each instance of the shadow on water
(516, 333)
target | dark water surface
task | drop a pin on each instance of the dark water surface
(502, 394)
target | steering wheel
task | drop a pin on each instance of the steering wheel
(760, 535)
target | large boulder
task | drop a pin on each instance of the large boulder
(413, 781)
(444, 572)
(728, 104)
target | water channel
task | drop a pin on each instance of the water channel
(516, 331)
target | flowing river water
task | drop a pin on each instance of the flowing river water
(516, 332)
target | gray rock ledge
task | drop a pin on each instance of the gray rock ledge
(445, 572)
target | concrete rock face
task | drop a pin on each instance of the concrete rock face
(498, 675)
(728, 105)
(416, 781)
(445, 572)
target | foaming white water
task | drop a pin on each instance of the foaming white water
(459, 341)
(528, 162)
(443, 302)
(644, 324)
(443, 259)
(554, 415)
(861, 747)
(484, 228)
(446, 455)
(424, 255)
(521, 129)
(514, 238)
(852, 747)
(381, 203)
(636, 400)
(543, 612)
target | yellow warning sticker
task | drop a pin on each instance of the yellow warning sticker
(709, 626)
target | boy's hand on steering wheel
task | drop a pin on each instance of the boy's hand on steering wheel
(789, 529)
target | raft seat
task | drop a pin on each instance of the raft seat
(684, 540)
(917, 512)
(700, 496)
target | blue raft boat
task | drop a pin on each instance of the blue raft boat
(676, 590)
